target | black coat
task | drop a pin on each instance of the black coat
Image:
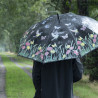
(55, 80)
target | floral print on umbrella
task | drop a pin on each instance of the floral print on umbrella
(48, 42)
(47, 53)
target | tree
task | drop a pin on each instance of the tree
(91, 60)
(83, 7)
(63, 6)
(16, 16)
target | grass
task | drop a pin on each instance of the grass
(18, 83)
(86, 89)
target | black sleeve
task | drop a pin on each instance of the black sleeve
(36, 76)
(77, 69)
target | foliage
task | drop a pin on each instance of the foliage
(61, 5)
(16, 16)
(86, 89)
(91, 63)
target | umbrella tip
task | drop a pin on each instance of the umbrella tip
(58, 17)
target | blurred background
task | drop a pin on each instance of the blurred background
(16, 16)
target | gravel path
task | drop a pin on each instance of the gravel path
(76, 97)
(23, 67)
(2, 80)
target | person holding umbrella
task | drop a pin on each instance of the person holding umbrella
(56, 45)
(55, 80)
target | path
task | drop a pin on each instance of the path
(2, 80)
(22, 67)
(76, 97)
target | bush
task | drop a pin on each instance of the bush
(91, 65)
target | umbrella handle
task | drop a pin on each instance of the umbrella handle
(58, 17)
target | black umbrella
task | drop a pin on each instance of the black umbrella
(60, 37)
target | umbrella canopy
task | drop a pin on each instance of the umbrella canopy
(60, 37)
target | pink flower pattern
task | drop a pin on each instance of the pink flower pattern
(41, 50)
(94, 40)
(78, 42)
(46, 53)
(68, 51)
(71, 48)
(79, 47)
(27, 44)
(49, 48)
(23, 47)
(95, 36)
(37, 52)
(83, 28)
(76, 52)
(42, 56)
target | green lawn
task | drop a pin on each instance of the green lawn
(18, 83)
(86, 89)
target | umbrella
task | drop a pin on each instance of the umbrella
(60, 37)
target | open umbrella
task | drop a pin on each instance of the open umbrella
(60, 37)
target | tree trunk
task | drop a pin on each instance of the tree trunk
(65, 6)
(83, 7)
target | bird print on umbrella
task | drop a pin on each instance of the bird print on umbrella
(38, 33)
(75, 31)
